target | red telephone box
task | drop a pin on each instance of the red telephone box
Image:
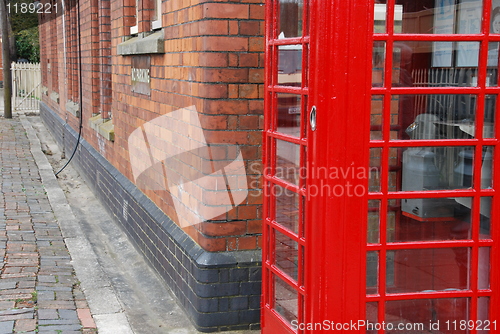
(381, 167)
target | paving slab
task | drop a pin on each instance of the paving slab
(32, 247)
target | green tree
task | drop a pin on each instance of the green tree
(21, 21)
(28, 44)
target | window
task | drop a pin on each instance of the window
(135, 29)
(156, 20)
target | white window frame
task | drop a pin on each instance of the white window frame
(156, 24)
(135, 29)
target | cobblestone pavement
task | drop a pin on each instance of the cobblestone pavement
(39, 291)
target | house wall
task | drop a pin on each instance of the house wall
(174, 117)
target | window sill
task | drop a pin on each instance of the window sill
(153, 43)
(104, 127)
(73, 108)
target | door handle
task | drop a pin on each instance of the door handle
(312, 118)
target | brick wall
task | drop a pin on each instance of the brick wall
(213, 61)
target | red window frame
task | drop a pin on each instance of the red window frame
(390, 37)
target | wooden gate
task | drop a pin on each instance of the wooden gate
(26, 86)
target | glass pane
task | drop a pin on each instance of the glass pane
(375, 168)
(489, 116)
(439, 17)
(437, 168)
(418, 270)
(431, 219)
(485, 223)
(394, 168)
(290, 65)
(302, 258)
(372, 316)
(304, 215)
(483, 311)
(287, 208)
(380, 16)
(433, 117)
(373, 222)
(389, 268)
(287, 255)
(492, 72)
(377, 107)
(378, 64)
(430, 315)
(487, 168)
(289, 114)
(423, 64)
(372, 266)
(288, 161)
(285, 300)
(483, 277)
(495, 20)
(392, 213)
(291, 12)
(303, 168)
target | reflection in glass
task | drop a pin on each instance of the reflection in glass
(304, 215)
(495, 20)
(289, 114)
(375, 169)
(418, 270)
(377, 107)
(431, 117)
(290, 65)
(483, 277)
(439, 17)
(373, 221)
(483, 311)
(290, 18)
(287, 255)
(380, 17)
(288, 161)
(429, 311)
(487, 168)
(372, 316)
(394, 165)
(492, 71)
(391, 224)
(372, 267)
(389, 268)
(490, 106)
(484, 219)
(285, 300)
(378, 64)
(437, 168)
(431, 219)
(287, 208)
(422, 64)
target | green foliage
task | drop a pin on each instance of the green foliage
(21, 21)
(28, 44)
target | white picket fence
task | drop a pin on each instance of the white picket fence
(26, 86)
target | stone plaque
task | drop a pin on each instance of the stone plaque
(141, 75)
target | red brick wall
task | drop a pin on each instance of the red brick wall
(213, 62)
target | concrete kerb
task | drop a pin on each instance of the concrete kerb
(105, 306)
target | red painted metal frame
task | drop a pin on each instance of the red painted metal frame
(340, 91)
(476, 193)
(333, 283)
(271, 320)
